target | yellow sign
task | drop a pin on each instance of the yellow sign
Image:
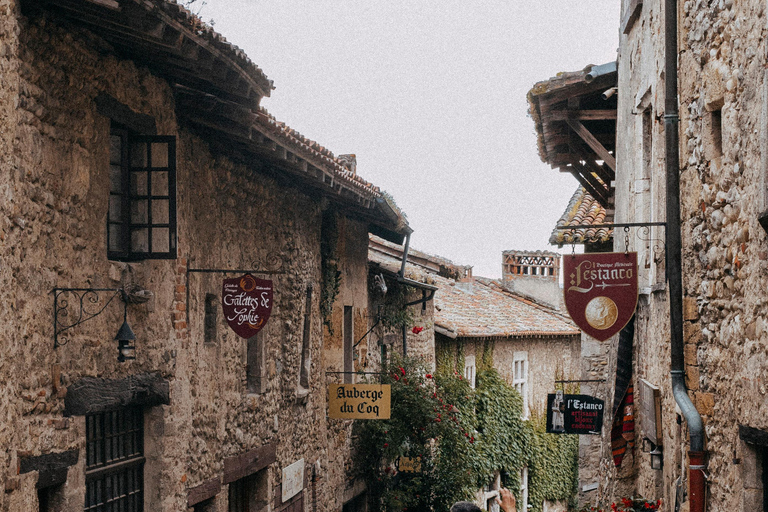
(359, 401)
(409, 464)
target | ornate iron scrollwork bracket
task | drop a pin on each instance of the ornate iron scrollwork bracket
(643, 234)
(74, 306)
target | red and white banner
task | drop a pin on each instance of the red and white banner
(601, 291)
(247, 304)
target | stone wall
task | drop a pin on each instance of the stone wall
(723, 112)
(54, 154)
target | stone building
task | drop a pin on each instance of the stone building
(137, 172)
(478, 323)
(691, 134)
(719, 78)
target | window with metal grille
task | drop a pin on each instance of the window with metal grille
(249, 494)
(141, 218)
(114, 468)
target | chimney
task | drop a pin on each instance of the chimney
(349, 161)
(534, 274)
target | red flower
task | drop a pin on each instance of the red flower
(402, 370)
(472, 439)
(627, 502)
(397, 377)
(417, 330)
(386, 444)
(429, 375)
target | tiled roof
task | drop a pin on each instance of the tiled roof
(314, 152)
(483, 309)
(582, 210)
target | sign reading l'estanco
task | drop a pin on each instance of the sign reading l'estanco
(359, 401)
(601, 291)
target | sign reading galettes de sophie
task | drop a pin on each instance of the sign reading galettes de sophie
(247, 304)
(359, 401)
(601, 291)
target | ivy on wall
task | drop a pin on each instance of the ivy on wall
(462, 436)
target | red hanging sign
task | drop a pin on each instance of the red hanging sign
(247, 303)
(601, 291)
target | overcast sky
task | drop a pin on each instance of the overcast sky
(431, 97)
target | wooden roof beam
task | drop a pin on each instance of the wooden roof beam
(583, 115)
(592, 142)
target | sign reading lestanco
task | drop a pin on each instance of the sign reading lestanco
(601, 291)
(574, 414)
(247, 303)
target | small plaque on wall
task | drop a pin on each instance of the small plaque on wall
(293, 480)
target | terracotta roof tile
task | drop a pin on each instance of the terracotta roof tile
(582, 210)
(482, 308)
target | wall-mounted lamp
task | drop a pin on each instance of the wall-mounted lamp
(74, 306)
(656, 453)
(126, 350)
(657, 458)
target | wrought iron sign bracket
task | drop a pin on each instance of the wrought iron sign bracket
(89, 303)
(644, 234)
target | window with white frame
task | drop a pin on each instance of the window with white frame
(470, 370)
(523, 505)
(520, 378)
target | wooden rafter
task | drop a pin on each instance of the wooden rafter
(592, 142)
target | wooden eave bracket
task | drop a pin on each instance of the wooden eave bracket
(592, 142)
(634, 9)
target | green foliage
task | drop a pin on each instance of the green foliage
(462, 436)
(553, 468)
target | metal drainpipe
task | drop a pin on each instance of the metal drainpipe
(402, 275)
(674, 266)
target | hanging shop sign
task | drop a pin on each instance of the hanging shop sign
(600, 291)
(574, 414)
(359, 401)
(247, 304)
(409, 464)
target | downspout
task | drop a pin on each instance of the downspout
(674, 265)
(402, 275)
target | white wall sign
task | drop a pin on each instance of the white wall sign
(293, 479)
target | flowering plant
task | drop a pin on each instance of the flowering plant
(631, 504)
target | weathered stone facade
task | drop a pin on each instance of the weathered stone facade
(233, 212)
(722, 88)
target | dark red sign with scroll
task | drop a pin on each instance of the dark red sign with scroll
(247, 303)
(601, 291)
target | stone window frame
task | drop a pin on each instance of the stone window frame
(135, 203)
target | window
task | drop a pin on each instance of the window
(523, 505)
(114, 467)
(255, 380)
(211, 317)
(249, 494)
(520, 378)
(306, 339)
(470, 370)
(349, 367)
(141, 219)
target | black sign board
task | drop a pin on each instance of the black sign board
(574, 414)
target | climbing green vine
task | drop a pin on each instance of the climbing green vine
(461, 436)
